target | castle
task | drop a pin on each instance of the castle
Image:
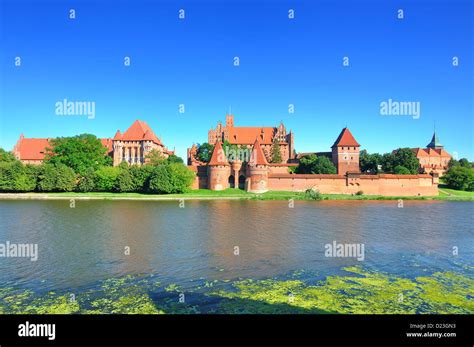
(257, 172)
(132, 146)
(433, 158)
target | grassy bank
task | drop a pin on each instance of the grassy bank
(204, 194)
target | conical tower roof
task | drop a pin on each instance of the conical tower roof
(435, 143)
(218, 156)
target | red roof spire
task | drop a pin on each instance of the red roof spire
(218, 155)
(257, 157)
(139, 131)
(345, 138)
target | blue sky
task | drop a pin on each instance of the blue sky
(282, 62)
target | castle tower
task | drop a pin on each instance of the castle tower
(257, 177)
(229, 120)
(218, 169)
(345, 153)
(117, 147)
(435, 144)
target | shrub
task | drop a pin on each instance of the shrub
(56, 177)
(86, 182)
(105, 178)
(312, 194)
(459, 177)
(140, 176)
(172, 178)
(360, 192)
(124, 182)
(401, 170)
(311, 164)
(16, 177)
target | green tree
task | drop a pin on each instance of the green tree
(311, 164)
(204, 152)
(124, 182)
(401, 157)
(169, 179)
(460, 177)
(78, 152)
(155, 157)
(369, 162)
(16, 177)
(401, 170)
(86, 181)
(275, 152)
(6, 156)
(56, 178)
(140, 176)
(172, 158)
(105, 178)
(461, 162)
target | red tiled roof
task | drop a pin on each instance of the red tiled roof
(247, 135)
(140, 131)
(118, 135)
(31, 149)
(345, 138)
(429, 152)
(35, 148)
(218, 156)
(257, 157)
(108, 144)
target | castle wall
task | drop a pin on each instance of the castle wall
(387, 185)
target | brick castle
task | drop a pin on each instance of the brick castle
(256, 172)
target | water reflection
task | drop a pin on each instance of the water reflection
(79, 246)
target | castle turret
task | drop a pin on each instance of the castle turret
(345, 153)
(435, 144)
(257, 181)
(218, 169)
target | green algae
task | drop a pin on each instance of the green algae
(358, 291)
(362, 292)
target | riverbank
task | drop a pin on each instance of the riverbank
(229, 194)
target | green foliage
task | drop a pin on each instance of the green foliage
(80, 153)
(360, 192)
(155, 158)
(56, 178)
(460, 178)
(174, 159)
(204, 152)
(105, 178)
(172, 178)
(312, 164)
(86, 182)
(124, 182)
(402, 157)
(311, 194)
(401, 170)
(16, 177)
(275, 152)
(369, 162)
(463, 162)
(6, 156)
(140, 176)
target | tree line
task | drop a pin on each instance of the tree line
(81, 164)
